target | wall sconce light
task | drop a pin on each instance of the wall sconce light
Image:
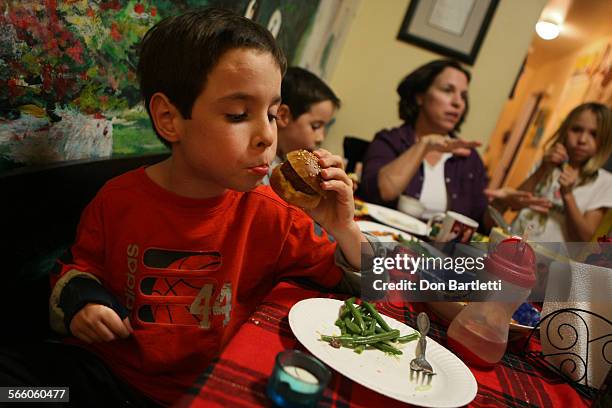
(547, 30)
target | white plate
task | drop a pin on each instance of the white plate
(369, 226)
(397, 219)
(452, 386)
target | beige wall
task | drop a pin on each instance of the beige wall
(373, 62)
(506, 120)
(562, 93)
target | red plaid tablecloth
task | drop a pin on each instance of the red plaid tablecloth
(239, 376)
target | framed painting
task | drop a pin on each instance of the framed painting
(68, 82)
(454, 28)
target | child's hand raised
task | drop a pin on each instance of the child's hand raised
(555, 155)
(335, 212)
(96, 323)
(567, 179)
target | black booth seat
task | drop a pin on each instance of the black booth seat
(41, 207)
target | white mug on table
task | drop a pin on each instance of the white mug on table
(454, 225)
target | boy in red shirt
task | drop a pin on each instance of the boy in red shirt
(171, 259)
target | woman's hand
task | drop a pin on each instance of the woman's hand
(447, 144)
(336, 211)
(567, 179)
(517, 199)
(555, 155)
(96, 323)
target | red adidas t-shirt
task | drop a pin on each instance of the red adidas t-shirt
(190, 271)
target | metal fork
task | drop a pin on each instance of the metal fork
(419, 363)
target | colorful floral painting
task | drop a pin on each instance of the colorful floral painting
(68, 88)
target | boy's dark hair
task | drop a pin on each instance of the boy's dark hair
(418, 81)
(178, 53)
(301, 89)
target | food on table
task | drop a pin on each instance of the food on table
(362, 327)
(526, 315)
(393, 235)
(298, 179)
(361, 209)
(478, 237)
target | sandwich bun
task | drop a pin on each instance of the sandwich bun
(298, 180)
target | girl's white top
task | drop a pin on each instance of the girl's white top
(552, 227)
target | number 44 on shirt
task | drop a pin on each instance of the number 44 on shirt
(222, 305)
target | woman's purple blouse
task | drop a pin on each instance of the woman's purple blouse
(466, 177)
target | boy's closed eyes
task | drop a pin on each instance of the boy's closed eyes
(241, 107)
(241, 117)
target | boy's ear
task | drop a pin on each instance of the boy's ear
(283, 116)
(166, 117)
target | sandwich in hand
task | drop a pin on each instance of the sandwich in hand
(298, 180)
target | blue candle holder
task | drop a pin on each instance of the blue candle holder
(298, 380)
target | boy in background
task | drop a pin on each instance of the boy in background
(170, 260)
(307, 109)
